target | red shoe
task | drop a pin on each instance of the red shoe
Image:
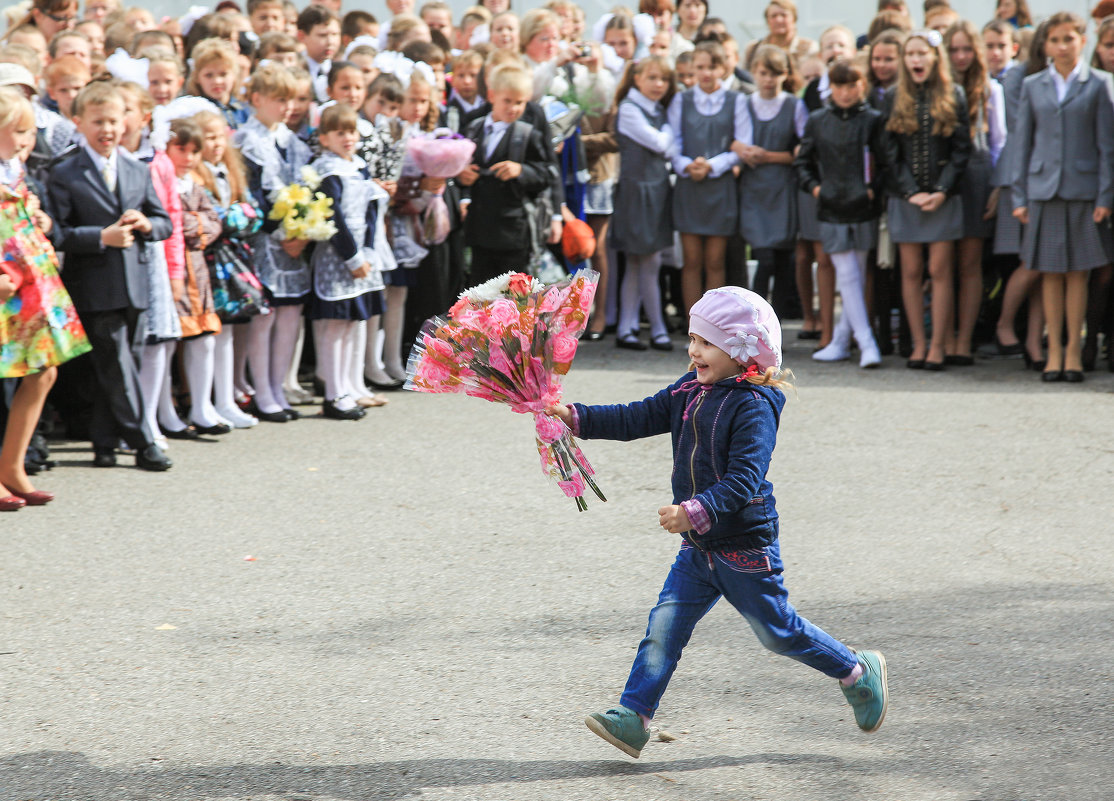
(34, 497)
(11, 503)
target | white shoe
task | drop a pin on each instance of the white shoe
(236, 418)
(871, 357)
(834, 352)
(298, 396)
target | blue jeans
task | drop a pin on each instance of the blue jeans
(751, 582)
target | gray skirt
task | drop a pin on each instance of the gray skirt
(1007, 228)
(807, 221)
(841, 237)
(910, 224)
(1062, 236)
(706, 208)
(974, 190)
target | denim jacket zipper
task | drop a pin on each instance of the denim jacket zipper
(692, 458)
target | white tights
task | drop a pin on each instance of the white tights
(273, 339)
(154, 386)
(850, 269)
(334, 341)
(197, 358)
(224, 369)
(641, 290)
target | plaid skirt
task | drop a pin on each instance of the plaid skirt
(1062, 236)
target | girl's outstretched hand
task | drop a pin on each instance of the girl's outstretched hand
(561, 412)
(674, 519)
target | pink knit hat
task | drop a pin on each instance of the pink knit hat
(741, 323)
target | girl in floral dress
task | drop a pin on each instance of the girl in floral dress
(39, 328)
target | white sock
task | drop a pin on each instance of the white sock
(153, 364)
(259, 356)
(197, 356)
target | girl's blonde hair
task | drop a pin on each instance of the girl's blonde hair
(162, 55)
(212, 51)
(636, 68)
(433, 114)
(15, 109)
(773, 377)
(976, 81)
(138, 93)
(942, 101)
(233, 163)
(272, 80)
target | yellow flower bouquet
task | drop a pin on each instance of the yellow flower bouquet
(304, 212)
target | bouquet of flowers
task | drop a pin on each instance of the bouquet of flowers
(509, 341)
(440, 153)
(305, 213)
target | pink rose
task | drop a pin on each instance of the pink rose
(519, 284)
(458, 307)
(504, 312)
(564, 348)
(573, 488)
(587, 293)
(549, 429)
(439, 347)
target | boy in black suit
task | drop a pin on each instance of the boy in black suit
(104, 202)
(508, 171)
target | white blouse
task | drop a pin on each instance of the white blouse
(633, 124)
(766, 110)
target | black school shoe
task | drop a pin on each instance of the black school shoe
(152, 458)
(630, 342)
(330, 410)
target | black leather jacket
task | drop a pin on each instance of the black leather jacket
(833, 154)
(926, 162)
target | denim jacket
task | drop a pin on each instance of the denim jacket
(723, 438)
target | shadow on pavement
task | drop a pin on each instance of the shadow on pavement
(69, 775)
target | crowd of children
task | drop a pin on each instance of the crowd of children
(143, 160)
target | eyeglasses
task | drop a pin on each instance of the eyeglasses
(63, 20)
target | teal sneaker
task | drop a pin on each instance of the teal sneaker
(621, 727)
(869, 695)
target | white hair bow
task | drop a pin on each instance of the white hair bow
(361, 41)
(402, 68)
(125, 68)
(162, 116)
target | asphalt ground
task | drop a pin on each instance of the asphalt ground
(426, 617)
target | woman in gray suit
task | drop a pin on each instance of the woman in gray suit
(1063, 186)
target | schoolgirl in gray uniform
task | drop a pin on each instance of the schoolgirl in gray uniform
(705, 120)
(1063, 186)
(641, 225)
(775, 122)
(988, 136)
(1023, 286)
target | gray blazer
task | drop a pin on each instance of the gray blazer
(1065, 150)
(103, 278)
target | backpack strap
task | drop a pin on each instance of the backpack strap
(519, 138)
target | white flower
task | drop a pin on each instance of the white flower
(310, 177)
(744, 346)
